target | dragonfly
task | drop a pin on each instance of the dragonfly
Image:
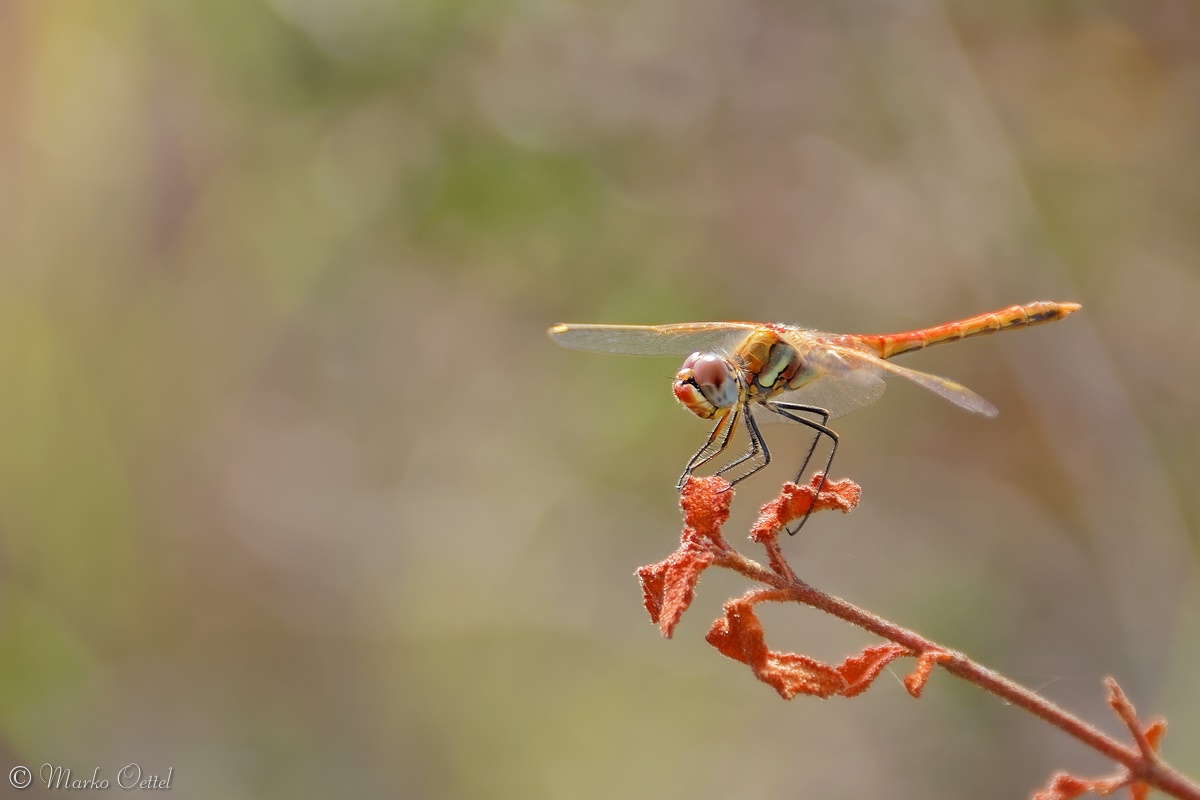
(751, 373)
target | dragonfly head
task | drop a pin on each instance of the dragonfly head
(707, 384)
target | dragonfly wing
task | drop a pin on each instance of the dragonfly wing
(838, 391)
(652, 340)
(844, 360)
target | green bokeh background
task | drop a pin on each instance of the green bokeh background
(297, 499)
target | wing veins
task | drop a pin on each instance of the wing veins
(651, 340)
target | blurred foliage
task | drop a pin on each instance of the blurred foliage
(296, 498)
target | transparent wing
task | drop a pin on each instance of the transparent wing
(837, 391)
(847, 369)
(651, 340)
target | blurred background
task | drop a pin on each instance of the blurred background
(297, 498)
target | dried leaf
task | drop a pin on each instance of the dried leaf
(739, 635)
(1064, 786)
(669, 586)
(915, 681)
(861, 670)
(794, 502)
(705, 503)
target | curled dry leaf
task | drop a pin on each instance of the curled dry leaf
(669, 586)
(1065, 786)
(915, 681)
(860, 671)
(739, 635)
(705, 503)
(795, 501)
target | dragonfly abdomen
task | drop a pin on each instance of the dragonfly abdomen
(1020, 316)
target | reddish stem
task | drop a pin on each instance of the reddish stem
(1147, 769)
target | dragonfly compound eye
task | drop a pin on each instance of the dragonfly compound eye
(705, 384)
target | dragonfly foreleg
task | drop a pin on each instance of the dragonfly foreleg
(718, 440)
(758, 450)
(791, 411)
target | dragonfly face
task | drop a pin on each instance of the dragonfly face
(708, 385)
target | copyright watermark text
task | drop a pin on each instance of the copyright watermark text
(132, 776)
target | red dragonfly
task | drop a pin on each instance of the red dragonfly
(754, 372)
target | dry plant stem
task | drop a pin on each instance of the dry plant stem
(668, 588)
(1148, 769)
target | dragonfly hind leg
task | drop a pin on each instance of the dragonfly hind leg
(717, 442)
(791, 411)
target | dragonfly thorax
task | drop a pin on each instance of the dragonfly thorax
(771, 364)
(708, 384)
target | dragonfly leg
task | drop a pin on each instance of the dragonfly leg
(806, 409)
(718, 440)
(791, 411)
(758, 452)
